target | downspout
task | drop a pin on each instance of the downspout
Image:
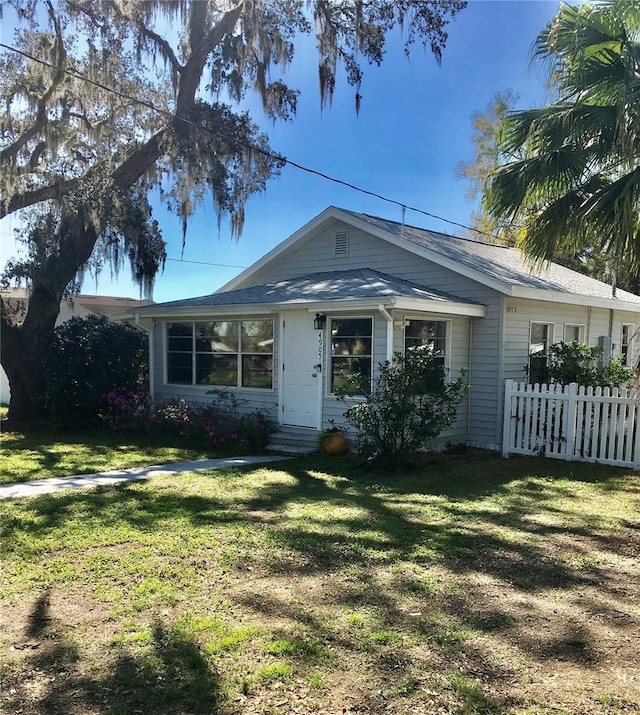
(386, 315)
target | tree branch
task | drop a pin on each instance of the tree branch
(41, 113)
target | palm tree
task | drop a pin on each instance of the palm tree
(578, 185)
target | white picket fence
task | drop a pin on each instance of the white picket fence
(573, 423)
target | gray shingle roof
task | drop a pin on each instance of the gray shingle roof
(506, 264)
(358, 284)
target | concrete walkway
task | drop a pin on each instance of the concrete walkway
(85, 481)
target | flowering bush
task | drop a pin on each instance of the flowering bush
(128, 410)
(220, 424)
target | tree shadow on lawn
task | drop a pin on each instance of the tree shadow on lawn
(170, 676)
(328, 519)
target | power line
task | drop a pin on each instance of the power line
(206, 263)
(264, 152)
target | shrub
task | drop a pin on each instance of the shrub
(578, 362)
(128, 410)
(219, 424)
(89, 358)
(409, 404)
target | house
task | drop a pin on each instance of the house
(81, 306)
(348, 290)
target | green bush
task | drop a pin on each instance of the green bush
(220, 425)
(410, 403)
(578, 362)
(89, 358)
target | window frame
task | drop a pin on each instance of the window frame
(239, 353)
(331, 356)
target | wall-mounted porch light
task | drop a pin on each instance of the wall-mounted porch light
(319, 321)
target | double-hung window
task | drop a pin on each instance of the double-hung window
(430, 338)
(540, 337)
(351, 351)
(226, 353)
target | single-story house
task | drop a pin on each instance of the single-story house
(348, 290)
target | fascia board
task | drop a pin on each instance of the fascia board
(574, 299)
(329, 306)
(314, 226)
(472, 310)
(207, 310)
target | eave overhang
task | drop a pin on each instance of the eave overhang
(473, 310)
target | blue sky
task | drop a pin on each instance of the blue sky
(414, 127)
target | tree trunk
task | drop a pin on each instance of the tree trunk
(21, 354)
(24, 347)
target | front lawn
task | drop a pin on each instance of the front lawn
(472, 585)
(26, 456)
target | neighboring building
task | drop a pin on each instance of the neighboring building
(116, 309)
(381, 287)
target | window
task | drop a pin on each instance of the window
(573, 333)
(351, 350)
(625, 343)
(226, 353)
(428, 335)
(540, 337)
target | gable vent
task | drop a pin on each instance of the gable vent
(341, 243)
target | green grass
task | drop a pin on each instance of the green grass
(465, 586)
(38, 455)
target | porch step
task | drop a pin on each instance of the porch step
(294, 440)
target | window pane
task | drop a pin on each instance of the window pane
(573, 333)
(539, 338)
(351, 365)
(217, 370)
(430, 335)
(180, 337)
(179, 368)
(218, 336)
(351, 327)
(257, 336)
(257, 371)
(181, 345)
(351, 346)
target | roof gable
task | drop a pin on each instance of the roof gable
(501, 268)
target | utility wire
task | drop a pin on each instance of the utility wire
(264, 152)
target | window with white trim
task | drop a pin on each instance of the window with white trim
(540, 338)
(351, 351)
(224, 353)
(625, 343)
(573, 333)
(430, 337)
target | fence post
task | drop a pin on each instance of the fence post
(570, 421)
(506, 418)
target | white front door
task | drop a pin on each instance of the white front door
(301, 380)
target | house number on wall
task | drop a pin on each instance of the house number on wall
(320, 351)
